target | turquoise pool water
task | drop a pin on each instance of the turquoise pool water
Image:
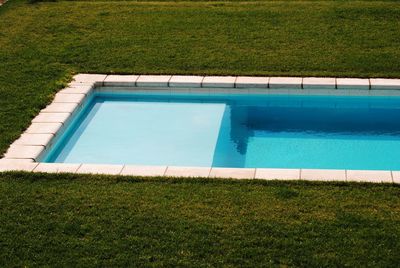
(234, 131)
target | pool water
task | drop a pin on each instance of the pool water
(223, 130)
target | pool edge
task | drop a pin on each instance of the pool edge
(25, 152)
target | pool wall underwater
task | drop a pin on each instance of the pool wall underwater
(237, 116)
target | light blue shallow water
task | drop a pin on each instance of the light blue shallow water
(235, 131)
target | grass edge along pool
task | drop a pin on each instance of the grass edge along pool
(227, 130)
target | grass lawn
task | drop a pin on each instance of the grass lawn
(73, 220)
(65, 220)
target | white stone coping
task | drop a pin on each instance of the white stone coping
(196, 81)
(285, 82)
(373, 176)
(24, 153)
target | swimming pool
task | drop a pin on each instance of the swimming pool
(228, 130)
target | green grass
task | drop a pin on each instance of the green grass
(65, 220)
(70, 220)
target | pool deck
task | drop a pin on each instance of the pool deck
(25, 153)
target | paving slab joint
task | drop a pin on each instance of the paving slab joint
(169, 80)
(102, 83)
(202, 80)
(209, 172)
(165, 171)
(120, 172)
